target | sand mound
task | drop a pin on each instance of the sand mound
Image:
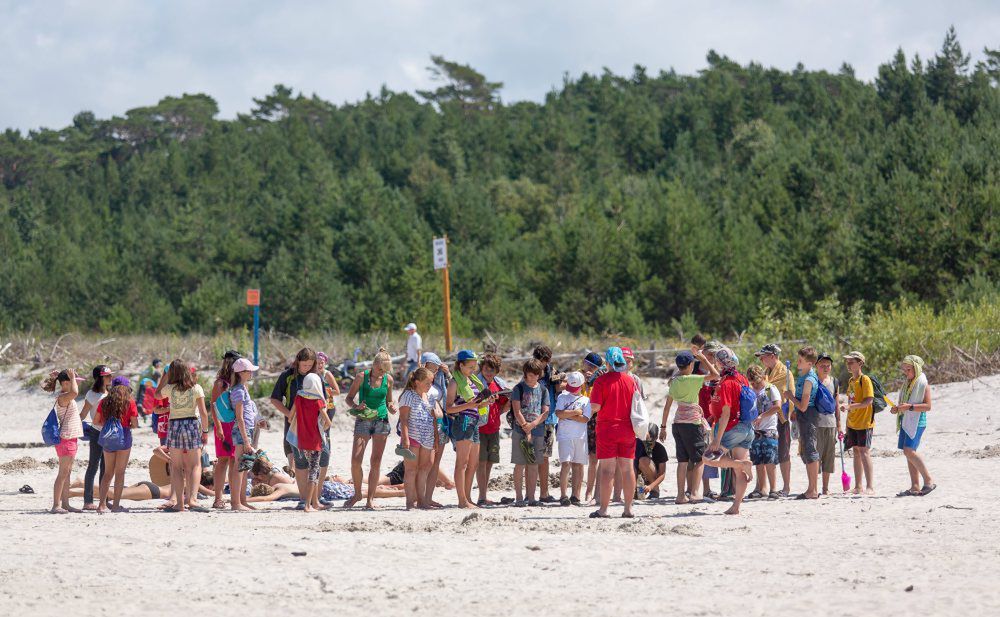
(986, 452)
(21, 464)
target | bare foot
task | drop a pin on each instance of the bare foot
(350, 503)
(102, 509)
(119, 509)
(732, 510)
(369, 506)
(218, 505)
(468, 506)
(870, 490)
(58, 511)
(240, 508)
(435, 504)
(308, 508)
(682, 500)
(71, 509)
(856, 490)
(90, 507)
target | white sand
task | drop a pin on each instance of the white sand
(839, 555)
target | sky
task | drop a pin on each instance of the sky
(108, 56)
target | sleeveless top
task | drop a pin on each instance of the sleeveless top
(374, 398)
(465, 391)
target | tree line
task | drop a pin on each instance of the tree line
(638, 204)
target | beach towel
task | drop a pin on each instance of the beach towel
(912, 392)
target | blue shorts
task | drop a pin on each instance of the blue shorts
(238, 438)
(764, 449)
(905, 441)
(740, 436)
(465, 428)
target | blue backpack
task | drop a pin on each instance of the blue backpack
(748, 405)
(224, 407)
(50, 429)
(825, 403)
(114, 437)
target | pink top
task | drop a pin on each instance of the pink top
(70, 425)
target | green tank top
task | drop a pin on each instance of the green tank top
(374, 398)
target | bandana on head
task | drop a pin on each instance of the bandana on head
(728, 361)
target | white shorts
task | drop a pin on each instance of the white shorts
(573, 451)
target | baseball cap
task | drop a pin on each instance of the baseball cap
(627, 353)
(430, 357)
(594, 359)
(410, 326)
(574, 379)
(683, 359)
(770, 348)
(824, 356)
(104, 370)
(157, 362)
(244, 365)
(312, 387)
(713, 346)
(467, 354)
(856, 355)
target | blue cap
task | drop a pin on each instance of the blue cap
(467, 354)
(683, 359)
(594, 359)
(616, 359)
(430, 357)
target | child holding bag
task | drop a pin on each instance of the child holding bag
(70, 429)
(118, 415)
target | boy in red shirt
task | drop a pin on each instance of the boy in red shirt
(611, 400)
(489, 433)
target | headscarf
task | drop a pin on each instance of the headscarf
(911, 390)
(616, 359)
(728, 361)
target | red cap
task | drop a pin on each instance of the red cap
(627, 352)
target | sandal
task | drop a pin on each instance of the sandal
(597, 514)
(628, 515)
(926, 490)
(506, 501)
(26, 490)
(772, 496)
(908, 493)
(755, 495)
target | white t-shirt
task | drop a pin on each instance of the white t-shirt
(413, 346)
(765, 398)
(571, 429)
(94, 398)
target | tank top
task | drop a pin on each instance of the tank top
(374, 398)
(466, 390)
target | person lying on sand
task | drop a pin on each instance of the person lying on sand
(333, 488)
(147, 490)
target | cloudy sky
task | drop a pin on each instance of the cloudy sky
(107, 56)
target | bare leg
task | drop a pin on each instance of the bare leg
(625, 468)
(462, 449)
(812, 472)
(694, 480)
(518, 482)
(236, 482)
(302, 481)
(542, 469)
(194, 476)
(357, 474)
(378, 447)
(564, 480)
(219, 480)
(411, 481)
(858, 469)
(471, 467)
(916, 462)
(530, 481)
(121, 462)
(682, 476)
(592, 478)
(826, 483)
(432, 473)
(577, 479)
(483, 481)
(867, 465)
(425, 464)
(106, 477)
(770, 470)
(605, 478)
(60, 488)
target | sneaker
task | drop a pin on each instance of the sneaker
(564, 501)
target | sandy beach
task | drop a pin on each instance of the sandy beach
(840, 555)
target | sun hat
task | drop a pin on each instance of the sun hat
(429, 357)
(856, 355)
(312, 387)
(683, 359)
(467, 354)
(244, 365)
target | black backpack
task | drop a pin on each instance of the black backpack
(878, 401)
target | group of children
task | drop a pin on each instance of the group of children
(716, 424)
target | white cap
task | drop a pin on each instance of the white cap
(410, 326)
(575, 379)
(312, 387)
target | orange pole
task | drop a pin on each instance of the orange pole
(447, 308)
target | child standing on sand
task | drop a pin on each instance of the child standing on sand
(244, 427)
(690, 429)
(530, 406)
(573, 411)
(70, 429)
(117, 406)
(311, 423)
(764, 449)
(860, 422)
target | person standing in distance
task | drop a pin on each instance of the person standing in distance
(414, 349)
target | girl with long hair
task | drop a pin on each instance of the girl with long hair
(224, 448)
(370, 399)
(416, 419)
(97, 392)
(117, 405)
(244, 426)
(187, 432)
(70, 429)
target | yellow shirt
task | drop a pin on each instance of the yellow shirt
(857, 391)
(183, 403)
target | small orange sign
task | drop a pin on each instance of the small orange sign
(253, 297)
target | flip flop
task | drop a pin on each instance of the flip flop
(628, 515)
(908, 493)
(926, 490)
(198, 509)
(26, 490)
(528, 449)
(804, 496)
(597, 514)
(405, 453)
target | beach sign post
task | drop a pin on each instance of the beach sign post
(440, 248)
(253, 299)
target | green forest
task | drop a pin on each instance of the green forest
(621, 203)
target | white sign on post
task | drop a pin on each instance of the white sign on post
(440, 253)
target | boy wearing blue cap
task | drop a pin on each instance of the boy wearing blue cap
(690, 429)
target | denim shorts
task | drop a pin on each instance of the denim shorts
(465, 428)
(371, 428)
(740, 436)
(238, 437)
